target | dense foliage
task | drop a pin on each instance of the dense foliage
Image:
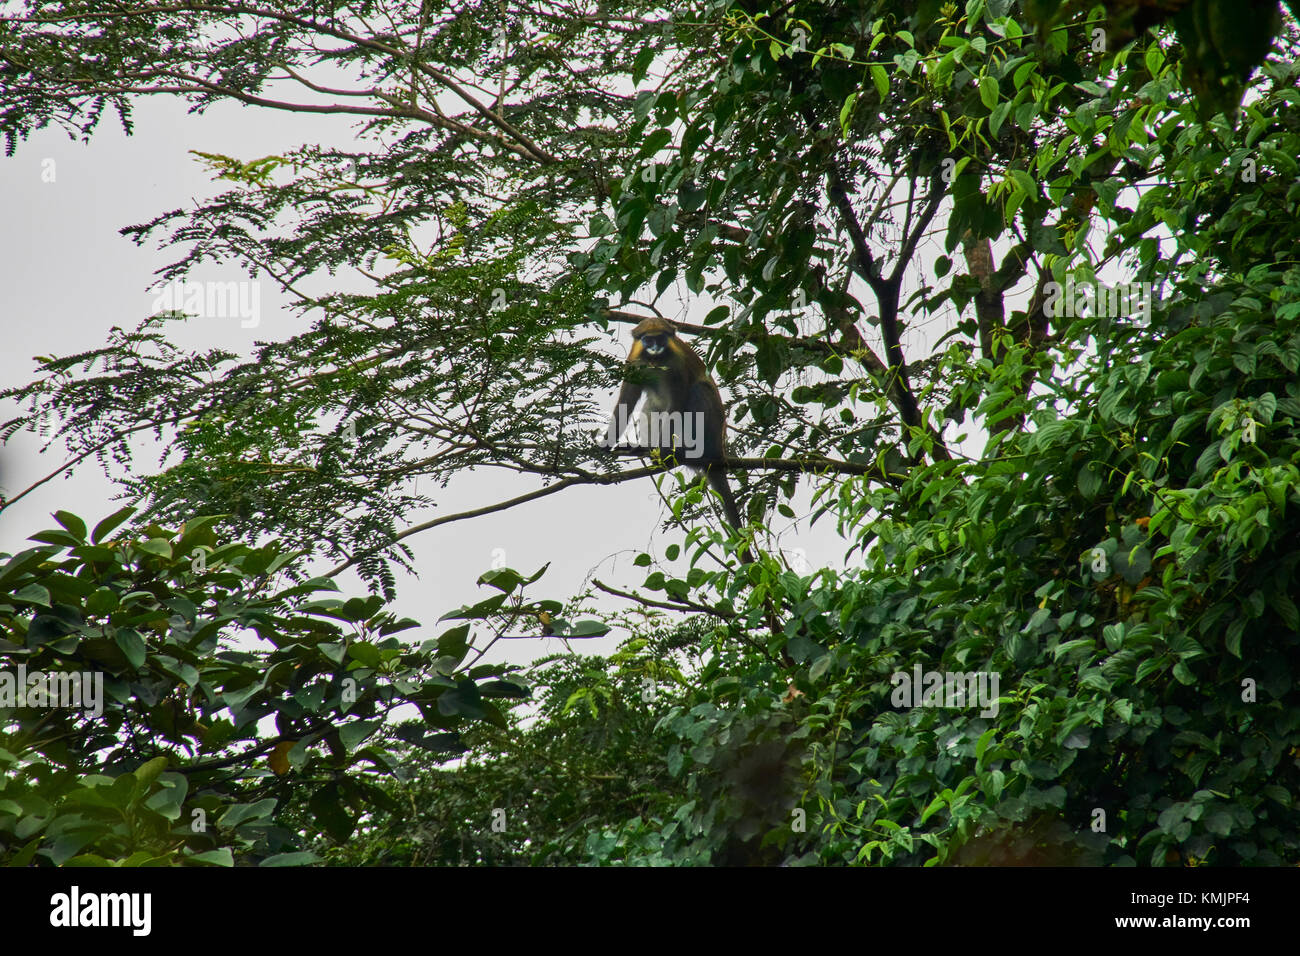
(222, 693)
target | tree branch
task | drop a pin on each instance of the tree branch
(684, 606)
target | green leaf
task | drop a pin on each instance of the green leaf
(505, 688)
(132, 645)
(219, 857)
(1286, 609)
(56, 536)
(846, 111)
(330, 813)
(999, 117)
(1037, 619)
(641, 65)
(22, 561)
(881, 80)
(1089, 480)
(455, 642)
(102, 601)
(33, 594)
(76, 527)
(354, 733)
(148, 772)
(365, 653)
(159, 546)
(988, 91)
(241, 813)
(1232, 637)
(503, 579)
(480, 611)
(67, 846)
(300, 858)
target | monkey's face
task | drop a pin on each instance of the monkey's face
(654, 348)
(652, 343)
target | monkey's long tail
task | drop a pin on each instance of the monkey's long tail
(718, 481)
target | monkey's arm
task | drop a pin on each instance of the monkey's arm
(628, 396)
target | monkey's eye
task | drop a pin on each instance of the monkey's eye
(654, 344)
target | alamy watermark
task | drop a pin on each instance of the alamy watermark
(77, 908)
(213, 300)
(946, 689)
(1076, 299)
(680, 430)
(72, 689)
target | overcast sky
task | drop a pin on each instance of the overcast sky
(67, 277)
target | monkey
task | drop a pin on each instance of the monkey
(682, 405)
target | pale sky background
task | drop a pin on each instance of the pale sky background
(67, 277)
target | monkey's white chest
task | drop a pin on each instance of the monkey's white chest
(661, 425)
